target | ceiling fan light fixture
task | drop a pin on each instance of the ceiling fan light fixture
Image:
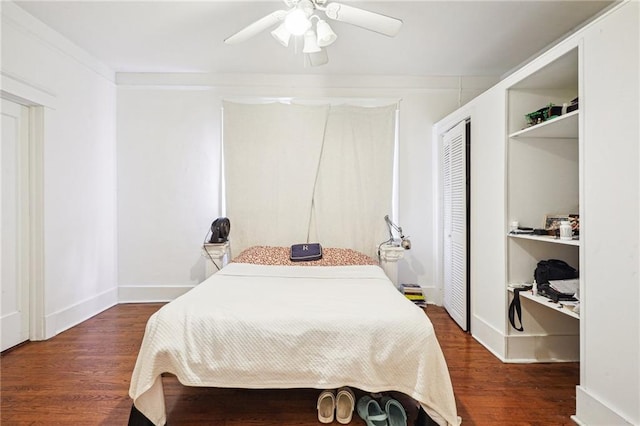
(326, 36)
(297, 22)
(282, 35)
(311, 43)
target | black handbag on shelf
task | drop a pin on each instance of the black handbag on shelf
(553, 270)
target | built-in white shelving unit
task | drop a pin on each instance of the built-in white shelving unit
(543, 179)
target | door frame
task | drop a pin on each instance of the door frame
(462, 138)
(15, 153)
(40, 104)
(438, 132)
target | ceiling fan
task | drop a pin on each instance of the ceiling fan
(298, 21)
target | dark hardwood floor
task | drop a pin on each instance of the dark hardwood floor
(81, 377)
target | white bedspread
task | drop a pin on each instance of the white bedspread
(253, 326)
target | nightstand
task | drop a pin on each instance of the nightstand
(215, 253)
(389, 256)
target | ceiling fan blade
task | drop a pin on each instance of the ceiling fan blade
(363, 18)
(256, 27)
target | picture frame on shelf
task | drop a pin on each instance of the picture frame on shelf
(552, 221)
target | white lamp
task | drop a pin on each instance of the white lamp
(405, 243)
(296, 22)
(317, 59)
(282, 35)
(310, 43)
(326, 36)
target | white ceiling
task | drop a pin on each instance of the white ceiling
(437, 38)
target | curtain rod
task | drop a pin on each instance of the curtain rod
(314, 100)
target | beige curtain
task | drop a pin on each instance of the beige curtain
(271, 155)
(299, 173)
(354, 188)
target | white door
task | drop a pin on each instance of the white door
(14, 313)
(455, 224)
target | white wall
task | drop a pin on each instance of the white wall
(79, 164)
(168, 180)
(168, 165)
(610, 367)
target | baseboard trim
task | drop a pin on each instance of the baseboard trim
(488, 336)
(73, 315)
(593, 412)
(151, 293)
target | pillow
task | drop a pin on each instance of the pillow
(266, 255)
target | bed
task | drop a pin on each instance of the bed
(265, 322)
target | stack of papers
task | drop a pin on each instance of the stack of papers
(566, 286)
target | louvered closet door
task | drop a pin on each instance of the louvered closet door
(455, 224)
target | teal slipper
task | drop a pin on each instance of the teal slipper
(394, 411)
(371, 413)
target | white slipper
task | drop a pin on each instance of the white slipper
(345, 401)
(326, 406)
